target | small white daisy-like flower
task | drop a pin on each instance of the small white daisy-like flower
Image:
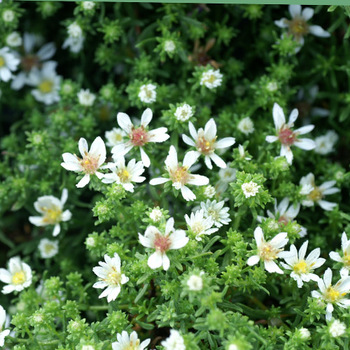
(298, 26)
(211, 78)
(271, 86)
(226, 176)
(332, 294)
(114, 137)
(110, 277)
(209, 191)
(325, 143)
(246, 126)
(302, 268)
(179, 174)
(174, 342)
(250, 189)
(269, 251)
(8, 16)
(148, 93)
(86, 98)
(88, 5)
(30, 58)
(345, 259)
(75, 38)
(46, 83)
(51, 209)
(74, 30)
(204, 140)
(156, 215)
(183, 112)
(285, 213)
(315, 194)
(125, 174)
(48, 248)
(90, 163)
(17, 277)
(3, 332)
(138, 136)
(216, 211)
(304, 333)
(14, 39)
(169, 46)
(337, 329)
(8, 63)
(288, 137)
(132, 342)
(162, 242)
(195, 283)
(200, 225)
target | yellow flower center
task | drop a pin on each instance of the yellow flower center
(48, 248)
(346, 259)
(113, 277)
(18, 278)
(268, 252)
(205, 146)
(298, 27)
(197, 227)
(315, 194)
(52, 215)
(301, 267)
(180, 175)
(332, 294)
(124, 175)
(46, 86)
(2, 61)
(89, 164)
(132, 345)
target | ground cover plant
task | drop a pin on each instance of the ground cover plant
(174, 176)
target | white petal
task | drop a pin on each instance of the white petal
(146, 117)
(83, 147)
(188, 140)
(198, 180)
(271, 138)
(287, 152)
(166, 262)
(158, 181)
(218, 161)
(295, 10)
(259, 236)
(282, 23)
(335, 256)
(155, 260)
(327, 277)
(271, 267)
(193, 131)
(304, 129)
(56, 230)
(98, 149)
(187, 194)
(225, 142)
(84, 181)
(326, 185)
(278, 116)
(124, 122)
(325, 205)
(158, 135)
(307, 13)
(293, 117)
(210, 129)
(171, 160)
(253, 260)
(331, 191)
(282, 207)
(319, 31)
(190, 158)
(302, 250)
(144, 157)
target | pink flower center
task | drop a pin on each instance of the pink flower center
(283, 220)
(180, 175)
(287, 137)
(89, 164)
(139, 136)
(298, 27)
(161, 243)
(205, 146)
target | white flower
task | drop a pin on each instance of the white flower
(269, 251)
(332, 294)
(138, 136)
(75, 38)
(226, 175)
(48, 248)
(216, 211)
(233, 347)
(74, 30)
(147, 93)
(179, 174)
(302, 269)
(162, 242)
(271, 86)
(315, 194)
(90, 163)
(246, 126)
(205, 142)
(14, 39)
(8, 16)
(304, 333)
(156, 214)
(286, 136)
(125, 174)
(88, 5)
(169, 46)
(200, 225)
(211, 78)
(298, 26)
(242, 153)
(17, 277)
(46, 83)
(183, 112)
(88, 347)
(345, 260)
(114, 137)
(31, 58)
(86, 98)
(51, 209)
(209, 191)
(126, 342)
(6, 332)
(110, 277)
(250, 189)
(284, 214)
(337, 329)
(8, 64)
(174, 342)
(195, 283)
(325, 143)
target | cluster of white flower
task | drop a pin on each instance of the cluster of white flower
(75, 38)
